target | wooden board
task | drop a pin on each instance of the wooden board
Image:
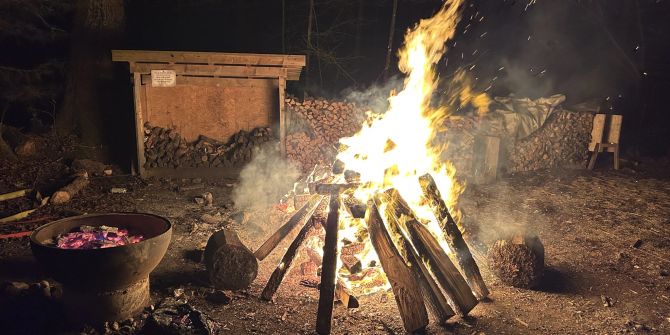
(597, 130)
(216, 112)
(605, 126)
(282, 115)
(139, 122)
(487, 150)
(614, 131)
(233, 71)
(292, 64)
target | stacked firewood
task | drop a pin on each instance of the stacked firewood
(561, 141)
(167, 148)
(316, 126)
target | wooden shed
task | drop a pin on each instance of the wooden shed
(207, 93)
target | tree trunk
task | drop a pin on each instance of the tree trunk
(310, 23)
(283, 26)
(359, 28)
(389, 49)
(98, 27)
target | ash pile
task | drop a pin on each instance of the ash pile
(167, 148)
(315, 127)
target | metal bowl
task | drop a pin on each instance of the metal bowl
(104, 284)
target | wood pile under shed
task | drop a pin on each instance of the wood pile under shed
(205, 98)
(167, 148)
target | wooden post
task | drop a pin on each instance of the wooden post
(324, 314)
(302, 215)
(139, 122)
(286, 261)
(405, 288)
(485, 159)
(432, 253)
(282, 115)
(453, 236)
(436, 301)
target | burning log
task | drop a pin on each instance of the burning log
(325, 189)
(230, 264)
(302, 215)
(518, 261)
(454, 237)
(433, 296)
(286, 261)
(436, 258)
(405, 289)
(328, 269)
(444, 269)
(65, 194)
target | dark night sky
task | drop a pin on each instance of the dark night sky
(584, 49)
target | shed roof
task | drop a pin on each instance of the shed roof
(218, 64)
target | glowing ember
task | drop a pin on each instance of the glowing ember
(88, 237)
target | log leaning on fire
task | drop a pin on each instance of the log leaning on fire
(435, 300)
(302, 215)
(328, 268)
(65, 194)
(405, 289)
(286, 261)
(436, 258)
(454, 237)
(230, 264)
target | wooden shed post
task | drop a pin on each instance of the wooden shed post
(139, 123)
(282, 115)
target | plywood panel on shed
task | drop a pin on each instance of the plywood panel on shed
(214, 111)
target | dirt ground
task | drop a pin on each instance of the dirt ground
(589, 222)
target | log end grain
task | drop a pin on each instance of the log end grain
(518, 261)
(233, 268)
(230, 264)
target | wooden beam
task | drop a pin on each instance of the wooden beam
(285, 264)
(222, 58)
(597, 131)
(139, 123)
(231, 71)
(445, 271)
(453, 236)
(406, 290)
(436, 258)
(328, 269)
(302, 215)
(435, 300)
(282, 115)
(485, 159)
(218, 81)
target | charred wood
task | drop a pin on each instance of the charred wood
(405, 289)
(453, 236)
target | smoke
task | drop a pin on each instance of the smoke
(375, 97)
(265, 179)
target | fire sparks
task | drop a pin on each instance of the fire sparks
(394, 149)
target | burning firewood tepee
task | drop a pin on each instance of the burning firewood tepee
(393, 169)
